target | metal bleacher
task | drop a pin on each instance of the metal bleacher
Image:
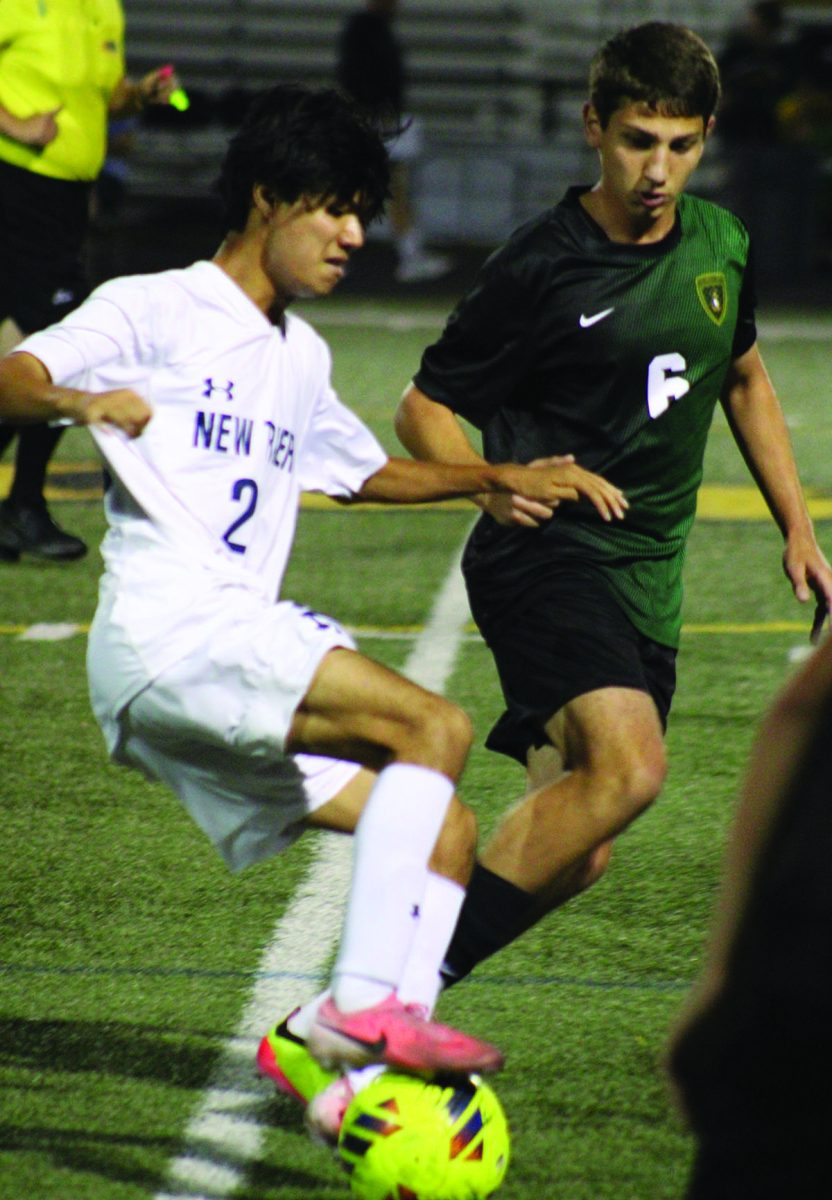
(498, 87)
(462, 69)
(453, 52)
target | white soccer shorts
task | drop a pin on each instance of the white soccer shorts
(213, 726)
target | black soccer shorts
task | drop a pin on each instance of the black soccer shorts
(563, 635)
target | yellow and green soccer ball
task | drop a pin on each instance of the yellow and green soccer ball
(407, 1139)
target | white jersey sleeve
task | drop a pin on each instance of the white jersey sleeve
(100, 333)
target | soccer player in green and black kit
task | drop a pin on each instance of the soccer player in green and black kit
(608, 328)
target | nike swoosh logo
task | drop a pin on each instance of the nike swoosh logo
(375, 1049)
(585, 322)
(283, 1031)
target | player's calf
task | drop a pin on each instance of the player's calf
(453, 854)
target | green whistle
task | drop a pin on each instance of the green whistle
(178, 98)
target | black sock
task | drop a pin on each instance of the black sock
(493, 914)
(35, 446)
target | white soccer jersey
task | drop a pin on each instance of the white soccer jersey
(244, 418)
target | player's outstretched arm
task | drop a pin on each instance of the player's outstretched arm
(405, 481)
(432, 433)
(759, 428)
(28, 394)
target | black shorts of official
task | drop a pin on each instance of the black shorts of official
(43, 225)
(561, 636)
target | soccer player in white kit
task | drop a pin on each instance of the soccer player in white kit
(213, 409)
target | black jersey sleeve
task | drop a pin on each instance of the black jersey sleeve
(482, 354)
(745, 334)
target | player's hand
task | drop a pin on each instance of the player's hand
(38, 130)
(811, 578)
(608, 499)
(548, 482)
(122, 408)
(514, 509)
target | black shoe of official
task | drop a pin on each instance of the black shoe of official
(29, 529)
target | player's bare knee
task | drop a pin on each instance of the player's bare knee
(443, 733)
(642, 778)
(456, 724)
(621, 788)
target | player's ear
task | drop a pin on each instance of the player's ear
(264, 200)
(592, 125)
(710, 125)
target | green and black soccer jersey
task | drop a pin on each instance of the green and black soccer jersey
(616, 353)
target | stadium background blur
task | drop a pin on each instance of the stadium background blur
(498, 87)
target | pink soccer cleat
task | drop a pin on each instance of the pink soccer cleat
(399, 1036)
(284, 1058)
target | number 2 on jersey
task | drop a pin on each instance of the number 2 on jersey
(664, 383)
(244, 491)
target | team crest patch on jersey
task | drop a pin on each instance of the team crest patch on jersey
(712, 291)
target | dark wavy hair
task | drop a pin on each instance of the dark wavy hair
(665, 66)
(305, 142)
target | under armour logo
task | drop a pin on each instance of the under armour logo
(211, 387)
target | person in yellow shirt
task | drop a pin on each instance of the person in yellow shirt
(62, 75)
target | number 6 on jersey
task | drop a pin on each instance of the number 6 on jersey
(663, 385)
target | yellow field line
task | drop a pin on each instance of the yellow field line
(714, 628)
(747, 627)
(717, 502)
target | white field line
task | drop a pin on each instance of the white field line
(226, 1135)
(49, 632)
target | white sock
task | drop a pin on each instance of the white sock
(300, 1022)
(393, 841)
(420, 982)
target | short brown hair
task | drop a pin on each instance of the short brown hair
(665, 66)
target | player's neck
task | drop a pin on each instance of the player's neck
(240, 259)
(622, 225)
